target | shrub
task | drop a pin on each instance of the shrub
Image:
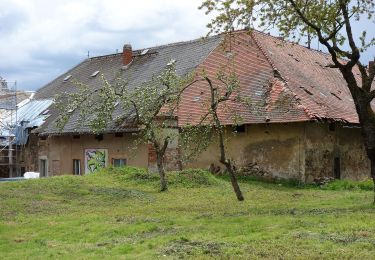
(185, 178)
(349, 185)
(192, 178)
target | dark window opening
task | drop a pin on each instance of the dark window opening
(336, 168)
(43, 168)
(99, 137)
(239, 129)
(43, 138)
(332, 127)
(76, 167)
(76, 136)
(119, 134)
(118, 162)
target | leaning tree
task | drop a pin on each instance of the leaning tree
(331, 22)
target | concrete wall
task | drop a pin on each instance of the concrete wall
(61, 150)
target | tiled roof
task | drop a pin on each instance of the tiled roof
(321, 90)
(283, 81)
(188, 56)
(270, 99)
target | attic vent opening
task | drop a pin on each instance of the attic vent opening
(307, 91)
(45, 112)
(95, 73)
(336, 96)
(67, 78)
(144, 51)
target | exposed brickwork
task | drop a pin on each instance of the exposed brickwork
(31, 152)
(171, 159)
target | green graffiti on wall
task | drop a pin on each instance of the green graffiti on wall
(95, 159)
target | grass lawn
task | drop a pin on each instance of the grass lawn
(120, 214)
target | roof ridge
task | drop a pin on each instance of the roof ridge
(159, 46)
(280, 38)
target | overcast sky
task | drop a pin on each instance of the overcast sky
(41, 39)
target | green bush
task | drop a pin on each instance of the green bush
(131, 174)
(185, 178)
(192, 178)
(349, 185)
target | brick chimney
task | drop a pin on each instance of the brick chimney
(127, 55)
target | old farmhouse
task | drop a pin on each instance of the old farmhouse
(302, 123)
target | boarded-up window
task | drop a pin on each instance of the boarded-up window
(56, 167)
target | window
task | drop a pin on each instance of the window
(118, 162)
(332, 127)
(43, 168)
(76, 167)
(239, 129)
(336, 168)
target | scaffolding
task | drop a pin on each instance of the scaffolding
(9, 150)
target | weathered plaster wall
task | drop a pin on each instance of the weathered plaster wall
(268, 150)
(304, 151)
(323, 145)
(61, 150)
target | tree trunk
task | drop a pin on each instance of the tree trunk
(228, 163)
(163, 180)
(371, 156)
(366, 118)
(233, 180)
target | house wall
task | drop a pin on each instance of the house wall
(323, 145)
(303, 151)
(265, 150)
(61, 150)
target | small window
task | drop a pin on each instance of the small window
(67, 78)
(45, 112)
(337, 168)
(76, 136)
(76, 167)
(119, 135)
(118, 162)
(43, 167)
(99, 137)
(144, 51)
(332, 127)
(95, 73)
(239, 129)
